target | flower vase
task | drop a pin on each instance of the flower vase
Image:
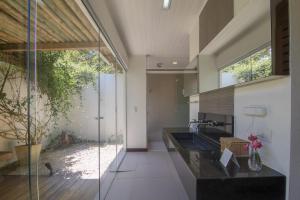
(254, 162)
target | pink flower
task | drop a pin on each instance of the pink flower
(256, 144)
(252, 137)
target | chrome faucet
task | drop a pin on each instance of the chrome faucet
(209, 123)
(195, 127)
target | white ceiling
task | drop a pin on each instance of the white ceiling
(147, 29)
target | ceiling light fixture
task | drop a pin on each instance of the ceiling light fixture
(174, 62)
(167, 4)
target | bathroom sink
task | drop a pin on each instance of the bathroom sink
(193, 142)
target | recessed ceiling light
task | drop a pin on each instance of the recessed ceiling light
(174, 62)
(167, 4)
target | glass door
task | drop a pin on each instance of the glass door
(67, 60)
(62, 103)
(108, 99)
(121, 112)
(112, 82)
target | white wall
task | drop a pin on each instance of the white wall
(136, 103)
(276, 97)
(208, 73)
(239, 5)
(107, 106)
(83, 123)
(83, 117)
(294, 192)
(194, 41)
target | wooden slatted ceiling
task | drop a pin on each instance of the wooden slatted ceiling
(61, 25)
(57, 21)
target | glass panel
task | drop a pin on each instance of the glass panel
(34, 116)
(261, 64)
(66, 123)
(108, 162)
(14, 84)
(64, 92)
(67, 84)
(256, 66)
(121, 112)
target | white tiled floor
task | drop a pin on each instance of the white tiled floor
(157, 146)
(151, 176)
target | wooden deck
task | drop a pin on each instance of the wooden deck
(50, 188)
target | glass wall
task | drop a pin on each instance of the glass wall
(112, 119)
(14, 101)
(62, 103)
(121, 111)
(252, 67)
(108, 148)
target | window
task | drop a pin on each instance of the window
(257, 65)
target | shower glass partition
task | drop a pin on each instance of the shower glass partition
(62, 103)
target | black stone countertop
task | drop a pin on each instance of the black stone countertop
(206, 165)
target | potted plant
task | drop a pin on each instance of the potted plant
(14, 117)
(33, 139)
(61, 76)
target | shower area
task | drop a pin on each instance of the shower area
(62, 102)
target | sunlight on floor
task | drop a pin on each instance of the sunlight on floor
(75, 161)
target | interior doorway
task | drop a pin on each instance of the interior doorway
(166, 104)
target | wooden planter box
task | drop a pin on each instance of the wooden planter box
(236, 145)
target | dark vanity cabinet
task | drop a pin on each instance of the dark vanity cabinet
(265, 185)
(204, 178)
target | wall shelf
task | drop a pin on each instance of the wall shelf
(269, 78)
(217, 89)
